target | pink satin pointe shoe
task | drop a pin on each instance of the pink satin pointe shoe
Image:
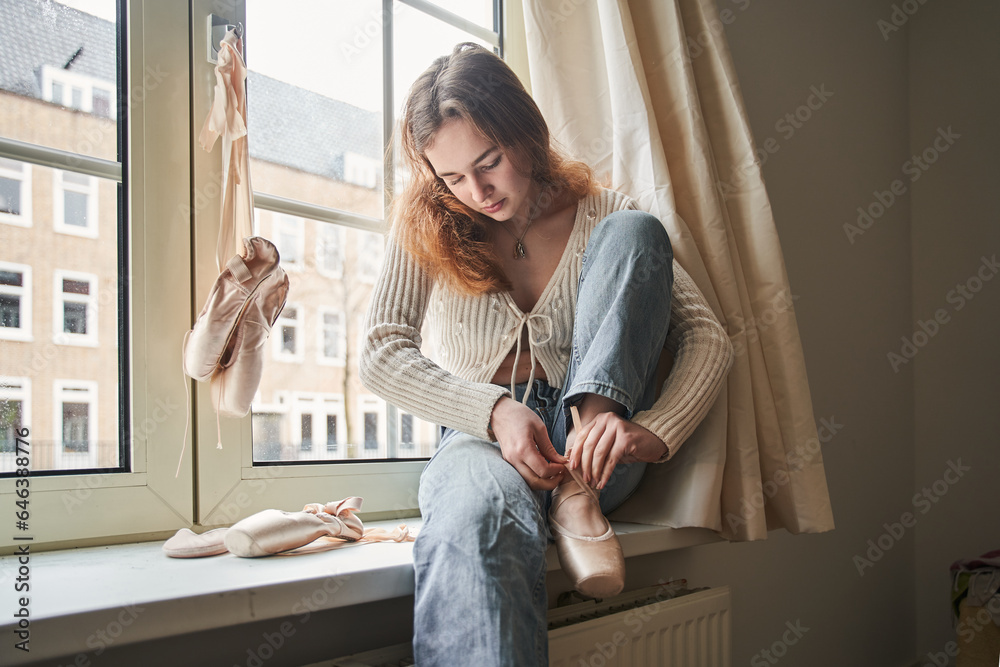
(275, 531)
(595, 564)
(188, 544)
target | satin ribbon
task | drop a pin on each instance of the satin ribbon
(529, 321)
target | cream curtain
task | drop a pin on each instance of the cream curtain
(645, 92)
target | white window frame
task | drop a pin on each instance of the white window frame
(69, 80)
(15, 389)
(75, 391)
(326, 229)
(24, 176)
(159, 494)
(59, 335)
(59, 189)
(227, 475)
(23, 332)
(341, 359)
(278, 351)
(280, 222)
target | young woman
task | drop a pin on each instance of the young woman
(547, 291)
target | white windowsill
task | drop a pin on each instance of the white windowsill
(76, 591)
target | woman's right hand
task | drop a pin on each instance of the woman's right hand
(525, 444)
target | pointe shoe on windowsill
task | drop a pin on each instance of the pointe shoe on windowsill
(595, 565)
(274, 531)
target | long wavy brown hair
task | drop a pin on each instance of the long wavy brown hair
(448, 238)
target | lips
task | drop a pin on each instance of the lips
(490, 210)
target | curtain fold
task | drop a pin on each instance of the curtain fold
(645, 92)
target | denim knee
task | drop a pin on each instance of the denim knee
(470, 492)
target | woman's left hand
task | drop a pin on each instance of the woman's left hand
(609, 440)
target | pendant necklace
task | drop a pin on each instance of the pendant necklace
(519, 252)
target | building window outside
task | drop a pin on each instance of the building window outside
(267, 435)
(331, 434)
(15, 192)
(329, 250)
(76, 424)
(74, 204)
(75, 308)
(289, 238)
(406, 439)
(15, 414)
(286, 334)
(332, 337)
(78, 91)
(306, 430)
(361, 170)
(15, 301)
(370, 250)
(371, 431)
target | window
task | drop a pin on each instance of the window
(75, 424)
(287, 340)
(331, 434)
(361, 170)
(289, 239)
(75, 204)
(406, 431)
(15, 414)
(75, 312)
(332, 337)
(329, 250)
(15, 302)
(15, 192)
(77, 91)
(306, 438)
(370, 250)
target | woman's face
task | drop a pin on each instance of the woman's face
(478, 172)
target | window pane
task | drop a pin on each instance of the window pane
(76, 286)
(10, 311)
(307, 430)
(13, 278)
(266, 437)
(56, 57)
(75, 209)
(316, 131)
(75, 318)
(47, 75)
(371, 430)
(331, 433)
(10, 423)
(10, 196)
(76, 424)
(479, 12)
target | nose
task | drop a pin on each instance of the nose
(479, 189)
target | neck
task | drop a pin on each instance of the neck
(531, 209)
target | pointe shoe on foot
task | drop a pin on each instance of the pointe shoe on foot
(595, 565)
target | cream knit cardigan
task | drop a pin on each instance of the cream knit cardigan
(477, 332)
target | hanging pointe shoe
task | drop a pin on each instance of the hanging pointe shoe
(595, 565)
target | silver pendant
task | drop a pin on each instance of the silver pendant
(518, 251)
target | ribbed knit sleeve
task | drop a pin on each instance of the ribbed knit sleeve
(392, 365)
(702, 355)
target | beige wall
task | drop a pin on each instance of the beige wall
(854, 302)
(954, 81)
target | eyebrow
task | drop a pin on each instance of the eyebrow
(474, 162)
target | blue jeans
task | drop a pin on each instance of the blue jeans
(479, 558)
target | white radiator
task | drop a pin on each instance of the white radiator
(628, 631)
(654, 627)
